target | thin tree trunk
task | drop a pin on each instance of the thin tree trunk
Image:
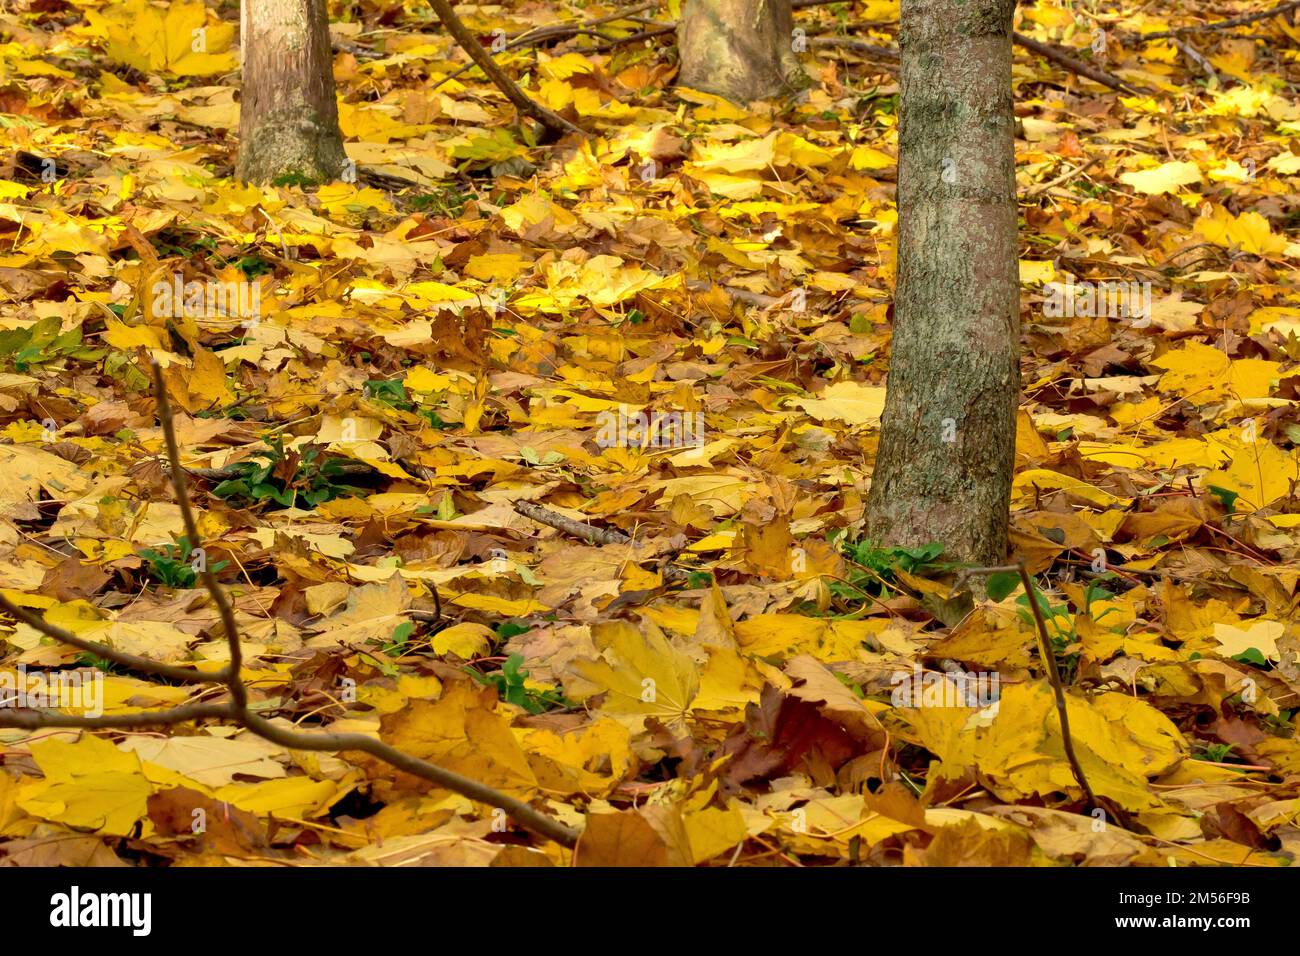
(947, 444)
(742, 50)
(288, 120)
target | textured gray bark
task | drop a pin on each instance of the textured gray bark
(742, 50)
(288, 118)
(947, 445)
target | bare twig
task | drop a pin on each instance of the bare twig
(571, 526)
(1053, 672)
(233, 678)
(144, 665)
(562, 31)
(38, 719)
(647, 34)
(1065, 177)
(1225, 24)
(857, 46)
(1199, 59)
(588, 533)
(1072, 63)
(626, 13)
(1050, 51)
(552, 34)
(1054, 676)
(554, 124)
(520, 811)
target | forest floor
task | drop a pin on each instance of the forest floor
(677, 328)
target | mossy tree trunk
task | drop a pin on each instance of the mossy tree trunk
(288, 121)
(742, 50)
(947, 444)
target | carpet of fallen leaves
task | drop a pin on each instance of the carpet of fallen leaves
(453, 332)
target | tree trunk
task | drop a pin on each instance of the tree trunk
(742, 50)
(288, 120)
(947, 443)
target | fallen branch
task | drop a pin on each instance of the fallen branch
(39, 719)
(554, 124)
(1065, 177)
(556, 33)
(646, 34)
(563, 31)
(857, 46)
(585, 532)
(237, 709)
(1072, 63)
(1224, 24)
(1050, 51)
(571, 526)
(144, 665)
(1199, 59)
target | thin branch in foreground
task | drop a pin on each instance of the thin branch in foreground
(1054, 678)
(238, 692)
(857, 46)
(237, 710)
(571, 526)
(520, 811)
(40, 719)
(144, 665)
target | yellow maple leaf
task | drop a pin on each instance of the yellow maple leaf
(850, 402)
(1120, 742)
(463, 732)
(465, 640)
(182, 40)
(1262, 636)
(128, 338)
(591, 760)
(641, 673)
(712, 831)
(1259, 474)
(292, 797)
(1250, 232)
(89, 784)
(1166, 178)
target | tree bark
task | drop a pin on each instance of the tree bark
(742, 50)
(288, 120)
(947, 444)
